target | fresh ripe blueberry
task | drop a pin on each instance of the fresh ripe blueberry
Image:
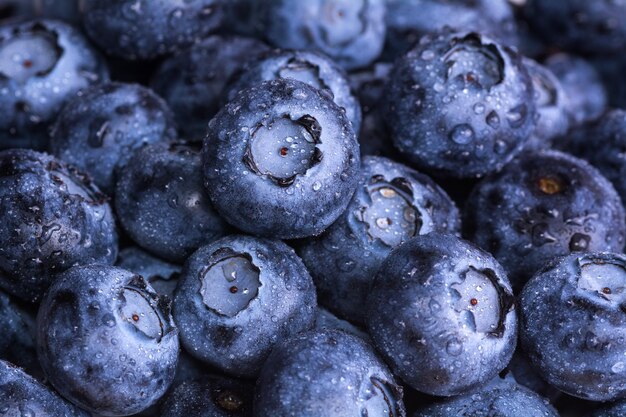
(211, 396)
(550, 101)
(392, 204)
(162, 204)
(326, 373)
(595, 27)
(161, 275)
(603, 144)
(614, 410)
(53, 218)
(142, 29)
(21, 395)
(351, 32)
(459, 104)
(586, 98)
(409, 20)
(43, 63)
(311, 68)
(106, 340)
(540, 206)
(327, 320)
(281, 160)
(441, 313)
(501, 399)
(192, 81)
(573, 324)
(238, 297)
(98, 130)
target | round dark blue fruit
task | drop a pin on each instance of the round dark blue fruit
(106, 340)
(53, 218)
(392, 204)
(442, 314)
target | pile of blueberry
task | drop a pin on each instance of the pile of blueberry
(313, 208)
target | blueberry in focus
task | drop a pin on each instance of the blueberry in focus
(572, 324)
(501, 399)
(392, 204)
(106, 340)
(21, 395)
(351, 32)
(192, 81)
(460, 104)
(162, 204)
(161, 275)
(311, 68)
(540, 206)
(43, 63)
(99, 129)
(211, 396)
(146, 29)
(326, 373)
(54, 218)
(238, 297)
(281, 160)
(442, 315)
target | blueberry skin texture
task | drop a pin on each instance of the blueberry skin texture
(98, 130)
(192, 81)
(162, 204)
(56, 64)
(540, 206)
(428, 319)
(345, 258)
(351, 32)
(441, 105)
(603, 143)
(22, 395)
(326, 373)
(504, 399)
(54, 218)
(310, 67)
(147, 29)
(615, 410)
(579, 25)
(586, 97)
(572, 325)
(106, 340)
(269, 201)
(280, 302)
(162, 276)
(211, 396)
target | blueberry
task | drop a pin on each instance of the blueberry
(326, 373)
(98, 130)
(23, 396)
(281, 160)
(162, 276)
(211, 396)
(614, 410)
(54, 218)
(441, 313)
(327, 320)
(460, 105)
(311, 68)
(594, 27)
(392, 204)
(586, 98)
(504, 399)
(42, 64)
(192, 81)
(551, 104)
(352, 32)
(408, 20)
(106, 340)
(540, 206)
(142, 29)
(238, 297)
(160, 194)
(572, 324)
